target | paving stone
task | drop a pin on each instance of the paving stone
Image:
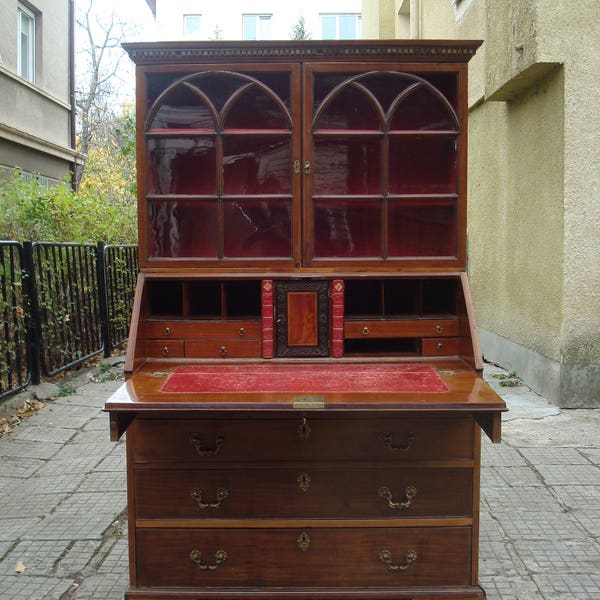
(521, 499)
(7, 485)
(12, 466)
(77, 557)
(5, 547)
(581, 497)
(581, 586)
(589, 520)
(74, 450)
(554, 456)
(69, 466)
(98, 423)
(43, 433)
(51, 485)
(592, 454)
(22, 587)
(37, 556)
(105, 586)
(82, 400)
(556, 475)
(99, 390)
(30, 449)
(559, 556)
(117, 559)
(538, 525)
(501, 455)
(24, 504)
(63, 524)
(82, 505)
(69, 417)
(519, 476)
(510, 588)
(13, 529)
(496, 558)
(116, 461)
(491, 478)
(100, 481)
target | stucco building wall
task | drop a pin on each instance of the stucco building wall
(534, 183)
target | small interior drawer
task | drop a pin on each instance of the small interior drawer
(388, 328)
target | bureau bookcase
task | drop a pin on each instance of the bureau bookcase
(303, 399)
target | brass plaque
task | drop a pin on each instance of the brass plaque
(308, 402)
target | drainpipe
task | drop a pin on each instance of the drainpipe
(72, 84)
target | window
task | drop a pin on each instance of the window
(191, 25)
(341, 26)
(26, 44)
(256, 27)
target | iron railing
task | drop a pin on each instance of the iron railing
(61, 304)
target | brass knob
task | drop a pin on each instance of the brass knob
(223, 350)
(165, 351)
(365, 331)
(439, 346)
(167, 331)
(439, 329)
(242, 331)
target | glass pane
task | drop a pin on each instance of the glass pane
(255, 110)
(181, 165)
(350, 109)
(182, 229)
(181, 108)
(328, 23)
(257, 164)
(347, 165)
(422, 229)
(422, 110)
(347, 229)
(347, 27)
(255, 228)
(249, 27)
(422, 165)
(386, 86)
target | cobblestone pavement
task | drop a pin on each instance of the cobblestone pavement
(63, 523)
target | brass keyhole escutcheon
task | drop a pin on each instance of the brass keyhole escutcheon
(303, 541)
(365, 331)
(165, 351)
(242, 331)
(304, 430)
(167, 331)
(303, 481)
(439, 329)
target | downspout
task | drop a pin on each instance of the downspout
(72, 86)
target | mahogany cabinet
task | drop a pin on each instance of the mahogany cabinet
(303, 398)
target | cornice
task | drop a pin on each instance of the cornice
(392, 50)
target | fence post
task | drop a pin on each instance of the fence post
(102, 299)
(34, 342)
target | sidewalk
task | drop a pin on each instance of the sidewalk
(63, 522)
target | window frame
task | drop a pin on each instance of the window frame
(30, 72)
(258, 17)
(357, 25)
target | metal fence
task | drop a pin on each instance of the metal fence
(61, 304)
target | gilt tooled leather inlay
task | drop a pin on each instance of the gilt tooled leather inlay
(303, 379)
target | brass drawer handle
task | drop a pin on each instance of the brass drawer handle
(365, 331)
(439, 346)
(242, 331)
(165, 351)
(196, 558)
(386, 557)
(196, 494)
(223, 350)
(439, 329)
(410, 442)
(196, 440)
(167, 331)
(386, 494)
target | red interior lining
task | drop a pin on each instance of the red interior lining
(303, 379)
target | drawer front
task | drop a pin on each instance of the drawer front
(440, 347)
(285, 557)
(223, 348)
(400, 328)
(164, 348)
(211, 441)
(311, 492)
(201, 329)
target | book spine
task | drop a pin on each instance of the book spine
(337, 318)
(267, 319)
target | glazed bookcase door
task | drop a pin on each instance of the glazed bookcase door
(218, 182)
(385, 150)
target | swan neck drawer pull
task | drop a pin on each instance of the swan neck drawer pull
(386, 557)
(386, 494)
(196, 494)
(196, 441)
(410, 442)
(196, 558)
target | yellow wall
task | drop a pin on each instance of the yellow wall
(534, 187)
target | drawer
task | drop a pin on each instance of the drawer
(335, 491)
(164, 348)
(223, 348)
(202, 329)
(208, 441)
(352, 557)
(439, 347)
(400, 328)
